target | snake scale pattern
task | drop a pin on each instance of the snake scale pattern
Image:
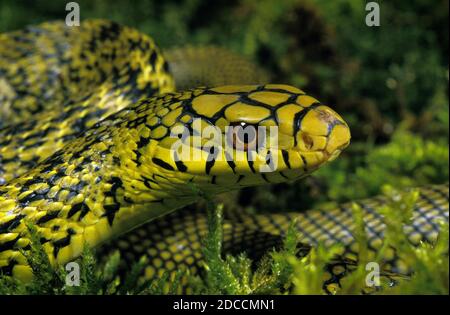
(86, 115)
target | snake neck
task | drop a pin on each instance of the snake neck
(97, 187)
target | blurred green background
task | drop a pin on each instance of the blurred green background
(389, 82)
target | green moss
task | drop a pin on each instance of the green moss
(235, 274)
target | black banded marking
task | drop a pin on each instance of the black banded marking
(82, 207)
(148, 181)
(62, 242)
(160, 176)
(298, 118)
(142, 142)
(34, 196)
(208, 165)
(305, 163)
(211, 160)
(9, 244)
(112, 209)
(11, 224)
(285, 155)
(138, 156)
(162, 164)
(180, 166)
(232, 165)
(110, 212)
(251, 165)
(230, 162)
(48, 216)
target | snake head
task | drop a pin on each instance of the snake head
(233, 136)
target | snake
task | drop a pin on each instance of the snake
(89, 116)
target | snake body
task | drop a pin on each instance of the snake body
(90, 118)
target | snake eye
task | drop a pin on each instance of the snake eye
(243, 136)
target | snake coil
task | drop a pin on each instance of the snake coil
(85, 153)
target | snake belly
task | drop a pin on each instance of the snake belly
(89, 158)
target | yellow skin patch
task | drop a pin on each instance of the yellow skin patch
(209, 105)
(249, 113)
(270, 98)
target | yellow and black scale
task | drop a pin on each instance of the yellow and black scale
(85, 152)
